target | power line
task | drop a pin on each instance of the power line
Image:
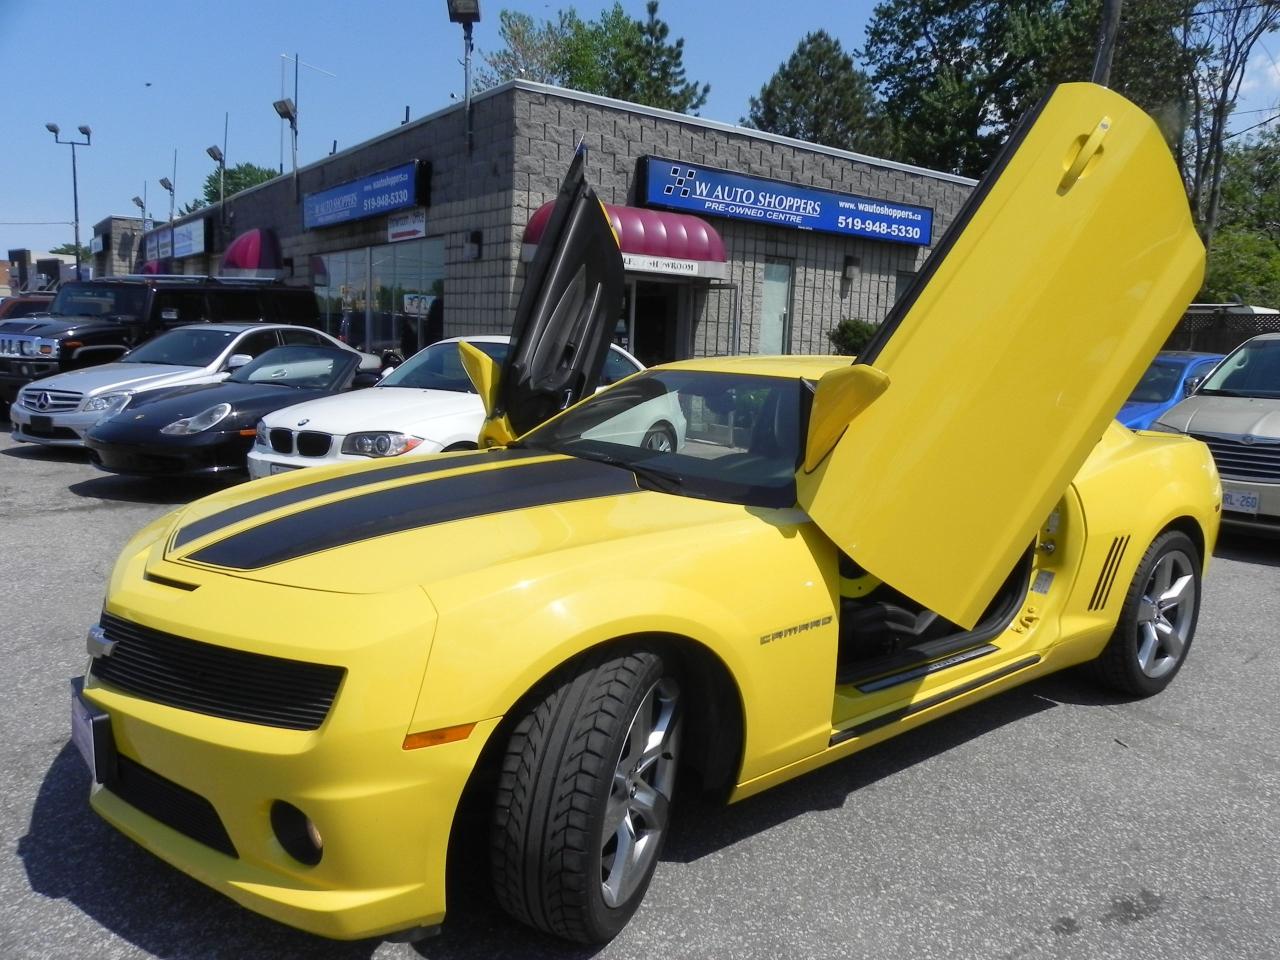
(1261, 123)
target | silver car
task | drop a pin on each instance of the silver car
(1236, 411)
(60, 410)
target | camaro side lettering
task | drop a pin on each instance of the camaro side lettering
(792, 631)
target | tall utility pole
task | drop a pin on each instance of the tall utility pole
(75, 181)
(1108, 27)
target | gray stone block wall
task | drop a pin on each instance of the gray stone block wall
(523, 141)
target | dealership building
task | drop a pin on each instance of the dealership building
(734, 241)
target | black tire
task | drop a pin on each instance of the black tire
(1142, 657)
(660, 437)
(564, 770)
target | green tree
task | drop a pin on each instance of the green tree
(240, 177)
(1244, 257)
(69, 250)
(819, 95)
(613, 56)
(957, 75)
(651, 69)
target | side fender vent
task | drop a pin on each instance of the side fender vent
(1102, 589)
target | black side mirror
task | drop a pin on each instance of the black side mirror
(1190, 384)
(362, 380)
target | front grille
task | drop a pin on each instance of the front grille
(312, 444)
(17, 346)
(281, 441)
(50, 401)
(218, 681)
(1238, 460)
(174, 806)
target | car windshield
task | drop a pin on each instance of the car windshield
(439, 367)
(302, 368)
(1157, 384)
(717, 436)
(99, 300)
(188, 347)
(1253, 370)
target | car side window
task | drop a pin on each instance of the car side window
(304, 338)
(617, 367)
(260, 341)
(235, 306)
(177, 307)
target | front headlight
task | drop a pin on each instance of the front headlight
(1159, 427)
(379, 443)
(260, 438)
(107, 404)
(200, 422)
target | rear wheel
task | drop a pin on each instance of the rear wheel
(582, 804)
(1156, 626)
(660, 437)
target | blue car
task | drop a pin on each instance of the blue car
(1163, 385)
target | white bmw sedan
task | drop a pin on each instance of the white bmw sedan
(426, 405)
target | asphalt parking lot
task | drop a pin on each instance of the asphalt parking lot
(1051, 821)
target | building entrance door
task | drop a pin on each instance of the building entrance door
(657, 321)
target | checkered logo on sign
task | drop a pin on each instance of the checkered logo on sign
(680, 182)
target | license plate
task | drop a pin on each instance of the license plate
(281, 468)
(91, 733)
(1240, 501)
(41, 424)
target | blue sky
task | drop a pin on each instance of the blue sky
(152, 77)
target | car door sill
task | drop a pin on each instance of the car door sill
(875, 723)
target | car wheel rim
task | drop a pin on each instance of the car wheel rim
(636, 813)
(1164, 614)
(660, 441)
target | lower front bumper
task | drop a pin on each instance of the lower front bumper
(52, 429)
(1267, 517)
(386, 833)
(165, 461)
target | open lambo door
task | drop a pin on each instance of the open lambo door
(572, 297)
(932, 460)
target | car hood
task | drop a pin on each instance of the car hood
(112, 377)
(378, 528)
(402, 409)
(47, 325)
(249, 402)
(1233, 416)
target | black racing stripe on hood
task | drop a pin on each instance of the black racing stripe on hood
(415, 505)
(417, 467)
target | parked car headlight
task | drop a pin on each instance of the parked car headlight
(379, 443)
(260, 438)
(107, 404)
(198, 423)
(1163, 428)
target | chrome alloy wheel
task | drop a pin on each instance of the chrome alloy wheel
(1165, 614)
(637, 811)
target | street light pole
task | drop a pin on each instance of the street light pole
(287, 110)
(467, 13)
(75, 179)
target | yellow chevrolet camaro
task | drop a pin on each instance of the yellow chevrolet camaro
(725, 571)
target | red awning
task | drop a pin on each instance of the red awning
(153, 266)
(652, 241)
(255, 253)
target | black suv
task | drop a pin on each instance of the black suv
(95, 321)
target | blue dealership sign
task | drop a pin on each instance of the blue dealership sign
(693, 188)
(370, 196)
